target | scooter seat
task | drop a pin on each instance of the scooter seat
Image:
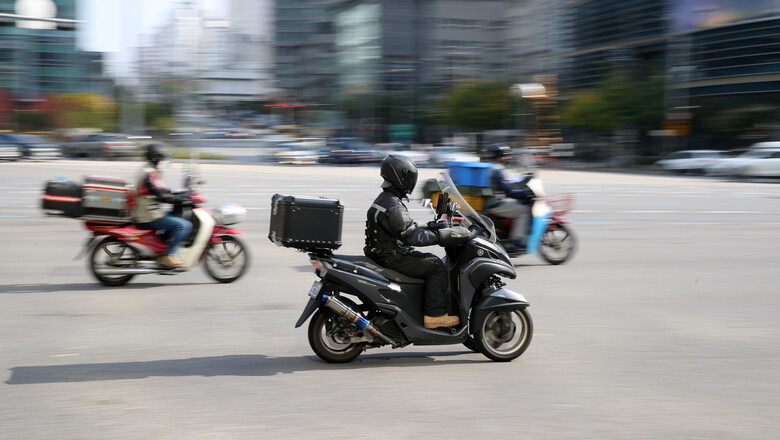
(390, 274)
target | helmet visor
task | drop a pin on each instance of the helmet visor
(411, 181)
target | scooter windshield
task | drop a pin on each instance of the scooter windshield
(470, 216)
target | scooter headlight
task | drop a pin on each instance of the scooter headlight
(229, 214)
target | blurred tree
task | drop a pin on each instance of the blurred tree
(743, 120)
(88, 110)
(6, 109)
(163, 124)
(590, 112)
(31, 120)
(477, 106)
(622, 99)
(156, 110)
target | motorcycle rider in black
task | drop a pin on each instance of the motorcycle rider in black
(391, 233)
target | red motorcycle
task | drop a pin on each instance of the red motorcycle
(118, 251)
(549, 234)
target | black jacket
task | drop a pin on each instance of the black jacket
(391, 231)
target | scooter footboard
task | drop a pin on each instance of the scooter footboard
(499, 300)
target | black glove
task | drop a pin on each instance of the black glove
(183, 201)
(453, 236)
(435, 226)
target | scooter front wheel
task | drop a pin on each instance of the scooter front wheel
(327, 338)
(226, 261)
(503, 336)
(557, 244)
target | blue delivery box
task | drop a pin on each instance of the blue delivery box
(470, 173)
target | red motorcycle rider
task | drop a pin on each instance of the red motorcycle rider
(150, 192)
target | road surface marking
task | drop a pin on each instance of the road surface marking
(692, 223)
(647, 212)
(729, 212)
(64, 355)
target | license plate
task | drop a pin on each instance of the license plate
(315, 289)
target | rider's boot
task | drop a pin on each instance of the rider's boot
(167, 260)
(440, 321)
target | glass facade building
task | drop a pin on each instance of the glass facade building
(605, 33)
(742, 58)
(707, 47)
(37, 61)
(305, 62)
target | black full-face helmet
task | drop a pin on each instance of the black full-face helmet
(496, 152)
(399, 172)
(156, 152)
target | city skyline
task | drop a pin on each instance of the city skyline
(115, 27)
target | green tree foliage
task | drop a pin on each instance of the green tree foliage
(477, 106)
(87, 110)
(743, 120)
(619, 100)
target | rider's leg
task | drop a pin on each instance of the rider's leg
(437, 297)
(177, 230)
(521, 228)
(521, 213)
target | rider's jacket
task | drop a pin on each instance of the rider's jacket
(149, 192)
(504, 184)
(391, 231)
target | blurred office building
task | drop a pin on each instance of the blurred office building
(707, 47)
(326, 48)
(725, 52)
(209, 62)
(537, 36)
(305, 62)
(39, 55)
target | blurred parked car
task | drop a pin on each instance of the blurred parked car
(420, 157)
(770, 144)
(441, 154)
(297, 153)
(764, 162)
(227, 133)
(350, 151)
(32, 146)
(690, 161)
(104, 145)
(9, 152)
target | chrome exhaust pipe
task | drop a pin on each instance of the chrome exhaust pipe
(356, 318)
(125, 270)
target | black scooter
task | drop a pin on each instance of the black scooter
(360, 305)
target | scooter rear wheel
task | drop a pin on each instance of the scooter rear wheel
(110, 254)
(557, 245)
(324, 329)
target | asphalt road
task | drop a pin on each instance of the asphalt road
(663, 326)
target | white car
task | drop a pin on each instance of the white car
(419, 157)
(9, 152)
(690, 161)
(297, 153)
(440, 155)
(764, 162)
